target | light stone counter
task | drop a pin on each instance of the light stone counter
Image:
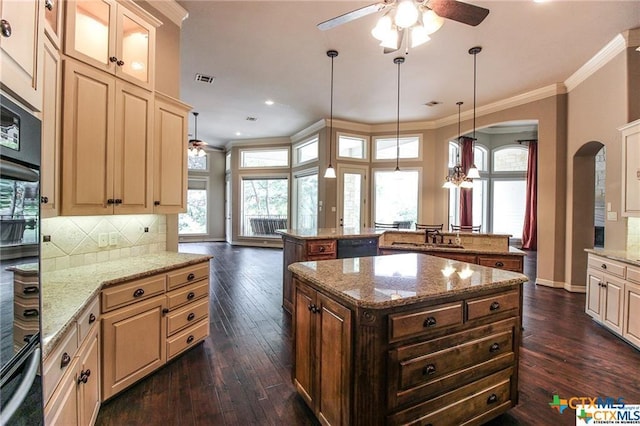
(330, 233)
(396, 280)
(67, 292)
(630, 257)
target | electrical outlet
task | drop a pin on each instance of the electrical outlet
(103, 239)
(113, 238)
(146, 229)
(46, 238)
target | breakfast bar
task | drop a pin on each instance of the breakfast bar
(405, 338)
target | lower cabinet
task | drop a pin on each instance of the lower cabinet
(631, 330)
(604, 299)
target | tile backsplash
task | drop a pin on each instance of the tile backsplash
(75, 240)
(633, 235)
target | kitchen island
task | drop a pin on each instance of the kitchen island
(405, 338)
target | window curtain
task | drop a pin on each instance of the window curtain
(530, 228)
(466, 196)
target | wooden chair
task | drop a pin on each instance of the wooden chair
(379, 225)
(430, 227)
(403, 224)
(465, 228)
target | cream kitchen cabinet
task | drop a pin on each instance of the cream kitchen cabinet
(20, 50)
(631, 169)
(53, 21)
(605, 292)
(51, 120)
(631, 320)
(107, 144)
(115, 37)
(170, 155)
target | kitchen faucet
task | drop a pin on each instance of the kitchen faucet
(434, 236)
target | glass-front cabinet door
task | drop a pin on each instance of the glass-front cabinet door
(112, 37)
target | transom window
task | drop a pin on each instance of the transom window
(510, 159)
(350, 146)
(306, 151)
(390, 148)
(264, 158)
(197, 163)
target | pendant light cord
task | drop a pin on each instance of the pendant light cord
(331, 113)
(475, 57)
(399, 60)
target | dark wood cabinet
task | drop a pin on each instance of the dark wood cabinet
(508, 262)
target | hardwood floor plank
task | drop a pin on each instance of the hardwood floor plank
(241, 374)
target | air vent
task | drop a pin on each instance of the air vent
(205, 78)
(433, 103)
(252, 119)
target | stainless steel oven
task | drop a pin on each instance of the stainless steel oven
(20, 305)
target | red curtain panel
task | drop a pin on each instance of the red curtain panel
(466, 195)
(530, 228)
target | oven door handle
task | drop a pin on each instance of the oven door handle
(23, 389)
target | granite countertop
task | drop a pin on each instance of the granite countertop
(380, 282)
(630, 257)
(67, 292)
(331, 233)
(470, 250)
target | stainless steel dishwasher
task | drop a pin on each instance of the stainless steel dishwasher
(357, 247)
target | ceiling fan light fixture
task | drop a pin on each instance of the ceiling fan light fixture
(407, 14)
(431, 21)
(419, 36)
(392, 39)
(382, 28)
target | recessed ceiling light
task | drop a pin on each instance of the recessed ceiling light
(433, 103)
(269, 102)
(238, 134)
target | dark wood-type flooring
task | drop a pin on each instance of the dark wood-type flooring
(241, 374)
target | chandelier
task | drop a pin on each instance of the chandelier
(196, 146)
(409, 18)
(457, 178)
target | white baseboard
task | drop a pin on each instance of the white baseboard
(561, 284)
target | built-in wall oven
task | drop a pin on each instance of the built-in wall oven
(20, 305)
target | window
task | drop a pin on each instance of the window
(508, 206)
(194, 221)
(305, 194)
(275, 157)
(387, 148)
(306, 151)
(479, 156)
(227, 162)
(396, 196)
(354, 147)
(264, 206)
(197, 163)
(510, 159)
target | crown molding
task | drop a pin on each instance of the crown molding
(307, 131)
(600, 59)
(171, 9)
(257, 142)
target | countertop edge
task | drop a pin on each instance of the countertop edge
(619, 255)
(511, 252)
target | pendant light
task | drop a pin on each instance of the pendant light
(195, 144)
(473, 171)
(399, 60)
(330, 172)
(457, 179)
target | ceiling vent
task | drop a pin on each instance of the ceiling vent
(433, 103)
(205, 78)
(252, 119)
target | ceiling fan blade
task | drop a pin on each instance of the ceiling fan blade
(459, 11)
(351, 16)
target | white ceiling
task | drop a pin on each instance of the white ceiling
(259, 50)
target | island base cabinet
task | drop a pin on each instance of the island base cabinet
(631, 330)
(133, 343)
(322, 372)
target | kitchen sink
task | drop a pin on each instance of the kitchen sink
(426, 245)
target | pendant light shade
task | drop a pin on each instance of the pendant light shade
(330, 173)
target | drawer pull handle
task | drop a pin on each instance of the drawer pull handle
(429, 370)
(165, 311)
(429, 322)
(494, 348)
(313, 308)
(604, 266)
(322, 248)
(30, 313)
(499, 264)
(66, 359)
(48, 4)
(191, 277)
(494, 306)
(190, 339)
(139, 292)
(84, 376)
(191, 295)
(493, 398)
(92, 318)
(27, 337)
(191, 316)
(30, 290)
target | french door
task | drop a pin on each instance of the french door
(352, 196)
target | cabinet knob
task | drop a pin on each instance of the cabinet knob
(165, 311)
(92, 318)
(603, 266)
(44, 200)
(48, 4)
(117, 201)
(120, 63)
(5, 28)
(113, 59)
(65, 360)
(499, 264)
(156, 203)
(429, 370)
(429, 322)
(191, 316)
(322, 248)
(191, 277)
(190, 339)
(493, 398)
(111, 201)
(30, 313)
(191, 295)
(494, 306)
(494, 348)
(139, 292)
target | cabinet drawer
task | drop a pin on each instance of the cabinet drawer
(187, 294)
(507, 263)
(478, 308)
(58, 362)
(633, 274)
(187, 275)
(460, 257)
(26, 287)
(424, 321)
(26, 310)
(187, 315)
(88, 318)
(125, 294)
(187, 338)
(607, 266)
(321, 247)
(492, 393)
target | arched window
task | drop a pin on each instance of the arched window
(510, 158)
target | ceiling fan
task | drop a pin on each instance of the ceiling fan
(414, 18)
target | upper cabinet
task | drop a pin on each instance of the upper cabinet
(53, 20)
(631, 169)
(113, 37)
(20, 52)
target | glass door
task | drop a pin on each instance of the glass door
(352, 196)
(227, 208)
